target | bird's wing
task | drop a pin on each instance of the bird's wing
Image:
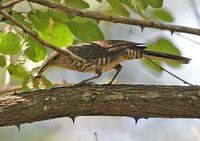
(89, 51)
(100, 49)
(117, 45)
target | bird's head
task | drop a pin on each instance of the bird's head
(53, 60)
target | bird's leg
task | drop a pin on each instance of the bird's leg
(118, 69)
(98, 74)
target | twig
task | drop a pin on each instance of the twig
(9, 4)
(185, 82)
(117, 19)
(34, 35)
(189, 39)
(18, 88)
(96, 136)
(194, 7)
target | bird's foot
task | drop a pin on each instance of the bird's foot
(112, 82)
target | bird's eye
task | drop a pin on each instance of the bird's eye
(55, 57)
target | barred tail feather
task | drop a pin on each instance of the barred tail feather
(165, 57)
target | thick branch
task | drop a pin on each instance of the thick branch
(114, 100)
(117, 19)
(34, 35)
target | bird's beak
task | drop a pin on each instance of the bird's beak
(44, 67)
(49, 63)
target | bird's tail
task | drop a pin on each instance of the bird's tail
(165, 57)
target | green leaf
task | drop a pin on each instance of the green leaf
(26, 83)
(143, 3)
(36, 51)
(162, 15)
(118, 7)
(20, 18)
(126, 2)
(40, 20)
(1, 34)
(2, 61)
(59, 16)
(77, 4)
(30, 83)
(140, 5)
(155, 3)
(17, 71)
(10, 44)
(85, 30)
(58, 35)
(46, 82)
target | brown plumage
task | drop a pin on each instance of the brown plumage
(102, 56)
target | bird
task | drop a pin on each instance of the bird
(103, 56)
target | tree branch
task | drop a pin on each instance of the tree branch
(10, 4)
(161, 68)
(138, 101)
(117, 19)
(34, 35)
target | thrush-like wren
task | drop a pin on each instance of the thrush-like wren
(102, 56)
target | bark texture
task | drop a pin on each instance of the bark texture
(137, 101)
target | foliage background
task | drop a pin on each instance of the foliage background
(123, 128)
